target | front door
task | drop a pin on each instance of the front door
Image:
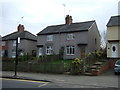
(82, 49)
(114, 50)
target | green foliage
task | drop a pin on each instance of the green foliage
(48, 58)
(8, 59)
(34, 53)
(76, 66)
(25, 57)
(99, 53)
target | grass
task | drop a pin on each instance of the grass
(67, 63)
(60, 62)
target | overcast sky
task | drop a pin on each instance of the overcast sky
(38, 14)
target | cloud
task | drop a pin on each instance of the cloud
(41, 13)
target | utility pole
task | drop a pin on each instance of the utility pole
(16, 60)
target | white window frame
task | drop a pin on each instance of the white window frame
(40, 51)
(2, 53)
(70, 50)
(3, 43)
(14, 43)
(50, 38)
(13, 53)
(70, 36)
(49, 50)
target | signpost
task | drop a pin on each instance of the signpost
(16, 60)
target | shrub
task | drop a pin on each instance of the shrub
(8, 59)
(48, 58)
(25, 57)
(76, 66)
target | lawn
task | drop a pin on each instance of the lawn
(67, 63)
(61, 61)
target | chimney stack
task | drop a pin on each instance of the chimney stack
(20, 28)
(68, 19)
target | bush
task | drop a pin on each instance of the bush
(76, 66)
(48, 58)
(25, 57)
(8, 59)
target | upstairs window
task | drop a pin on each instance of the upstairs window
(3, 43)
(14, 43)
(70, 36)
(70, 50)
(50, 38)
(49, 50)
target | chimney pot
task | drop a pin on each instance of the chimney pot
(68, 19)
(20, 28)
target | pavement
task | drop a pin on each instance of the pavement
(106, 80)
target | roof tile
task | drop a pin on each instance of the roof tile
(63, 28)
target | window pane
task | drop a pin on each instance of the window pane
(14, 43)
(70, 50)
(3, 53)
(67, 50)
(3, 43)
(49, 50)
(73, 50)
(70, 36)
(50, 38)
(13, 53)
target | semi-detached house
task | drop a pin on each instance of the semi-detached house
(76, 39)
(27, 43)
(113, 37)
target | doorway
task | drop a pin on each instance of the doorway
(114, 50)
(82, 50)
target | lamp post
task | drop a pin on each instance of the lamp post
(16, 60)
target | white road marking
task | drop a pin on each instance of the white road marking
(43, 85)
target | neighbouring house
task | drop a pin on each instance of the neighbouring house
(27, 43)
(0, 46)
(113, 37)
(73, 40)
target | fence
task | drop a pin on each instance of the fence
(29, 67)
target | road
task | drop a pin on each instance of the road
(17, 83)
(106, 80)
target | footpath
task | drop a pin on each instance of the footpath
(105, 80)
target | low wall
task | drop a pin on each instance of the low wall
(108, 65)
(112, 63)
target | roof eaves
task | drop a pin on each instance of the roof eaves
(113, 19)
(91, 25)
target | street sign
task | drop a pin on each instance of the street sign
(18, 39)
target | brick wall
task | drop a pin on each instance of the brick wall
(112, 63)
(108, 65)
(6, 46)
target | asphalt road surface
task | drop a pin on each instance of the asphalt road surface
(17, 83)
(106, 80)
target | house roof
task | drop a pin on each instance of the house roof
(22, 35)
(64, 28)
(114, 21)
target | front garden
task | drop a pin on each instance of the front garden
(51, 64)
